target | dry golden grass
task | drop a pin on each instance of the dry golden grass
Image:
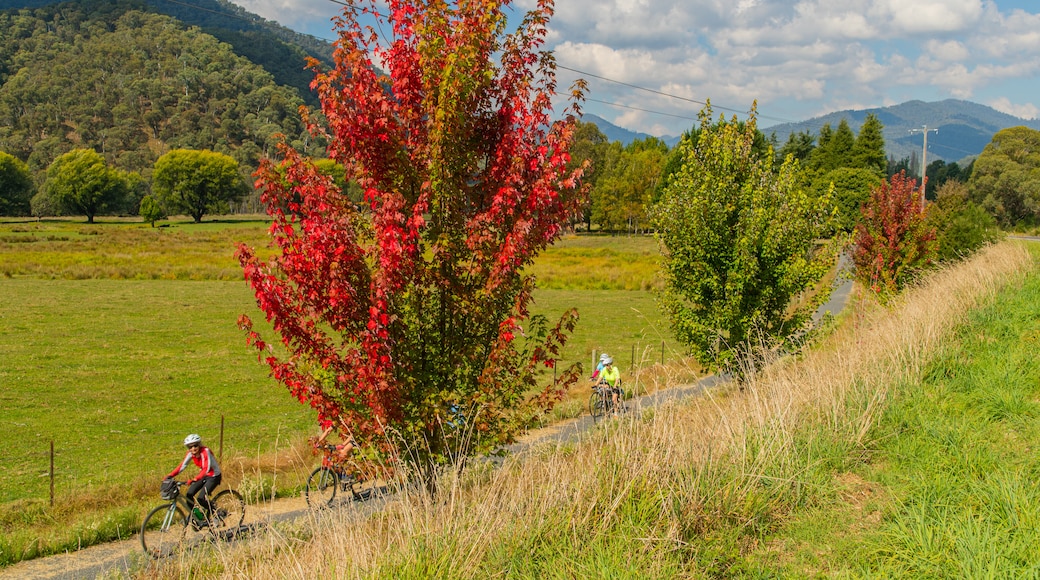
(580, 491)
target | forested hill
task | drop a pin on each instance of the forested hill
(965, 128)
(279, 50)
(131, 85)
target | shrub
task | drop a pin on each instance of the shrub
(962, 227)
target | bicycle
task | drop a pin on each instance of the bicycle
(331, 477)
(601, 402)
(169, 526)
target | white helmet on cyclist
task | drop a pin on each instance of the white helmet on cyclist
(608, 361)
(192, 439)
(603, 357)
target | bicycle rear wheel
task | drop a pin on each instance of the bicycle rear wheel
(229, 509)
(358, 490)
(163, 530)
(321, 488)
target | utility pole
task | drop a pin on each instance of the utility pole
(924, 157)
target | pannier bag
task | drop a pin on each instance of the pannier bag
(169, 489)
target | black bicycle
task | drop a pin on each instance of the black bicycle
(329, 479)
(601, 402)
(172, 525)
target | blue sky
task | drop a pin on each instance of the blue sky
(798, 58)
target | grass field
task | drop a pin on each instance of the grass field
(118, 339)
(899, 447)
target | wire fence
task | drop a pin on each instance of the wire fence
(59, 459)
(47, 468)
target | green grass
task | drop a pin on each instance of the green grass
(600, 263)
(118, 339)
(116, 373)
(946, 487)
(125, 250)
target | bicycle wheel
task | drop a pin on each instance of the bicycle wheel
(597, 406)
(321, 487)
(163, 530)
(357, 488)
(229, 509)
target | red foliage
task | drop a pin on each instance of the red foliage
(392, 313)
(892, 241)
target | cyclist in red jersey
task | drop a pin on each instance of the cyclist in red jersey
(343, 450)
(202, 485)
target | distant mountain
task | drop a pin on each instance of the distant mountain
(132, 85)
(965, 128)
(279, 50)
(615, 133)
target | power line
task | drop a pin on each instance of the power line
(639, 109)
(807, 123)
(669, 95)
(257, 20)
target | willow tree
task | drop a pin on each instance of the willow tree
(740, 241)
(408, 325)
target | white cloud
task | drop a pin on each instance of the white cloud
(928, 16)
(1023, 111)
(294, 13)
(950, 50)
(800, 57)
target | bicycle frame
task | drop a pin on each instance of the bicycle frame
(169, 525)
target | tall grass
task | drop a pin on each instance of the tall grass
(697, 489)
(117, 339)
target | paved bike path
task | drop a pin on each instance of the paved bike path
(119, 559)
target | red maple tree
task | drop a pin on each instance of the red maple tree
(406, 321)
(893, 240)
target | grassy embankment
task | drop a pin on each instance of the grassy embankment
(900, 446)
(118, 339)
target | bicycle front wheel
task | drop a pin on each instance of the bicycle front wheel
(321, 488)
(163, 530)
(597, 406)
(229, 509)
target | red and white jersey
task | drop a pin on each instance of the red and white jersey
(205, 461)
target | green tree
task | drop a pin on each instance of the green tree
(851, 189)
(16, 186)
(798, 145)
(837, 152)
(82, 184)
(150, 210)
(590, 144)
(43, 204)
(1005, 179)
(675, 158)
(126, 83)
(961, 226)
(868, 152)
(740, 243)
(622, 198)
(197, 183)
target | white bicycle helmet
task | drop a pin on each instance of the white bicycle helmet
(603, 357)
(192, 439)
(608, 361)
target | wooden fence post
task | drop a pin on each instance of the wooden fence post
(662, 353)
(220, 450)
(52, 472)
